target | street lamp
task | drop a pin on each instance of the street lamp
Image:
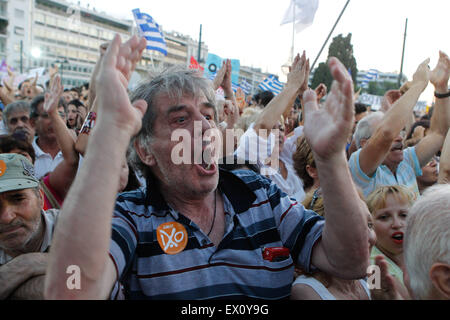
(36, 52)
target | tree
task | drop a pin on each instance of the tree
(380, 88)
(342, 49)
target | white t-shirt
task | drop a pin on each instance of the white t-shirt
(257, 149)
(44, 162)
(50, 217)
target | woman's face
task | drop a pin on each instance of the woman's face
(389, 224)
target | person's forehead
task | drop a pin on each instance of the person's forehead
(14, 192)
(166, 103)
(19, 114)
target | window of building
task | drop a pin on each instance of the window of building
(19, 31)
(19, 14)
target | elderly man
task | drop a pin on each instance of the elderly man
(382, 159)
(197, 232)
(427, 245)
(25, 230)
(16, 117)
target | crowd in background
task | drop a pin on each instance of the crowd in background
(398, 160)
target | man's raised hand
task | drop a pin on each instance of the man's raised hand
(440, 75)
(116, 68)
(53, 95)
(328, 128)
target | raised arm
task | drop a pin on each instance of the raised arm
(343, 249)
(285, 100)
(394, 120)
(440, 121)
(83, 137)
(83, 233)
(444, 165)
(62, 177)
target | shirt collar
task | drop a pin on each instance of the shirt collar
(238, 193)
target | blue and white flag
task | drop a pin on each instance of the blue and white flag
(372, 74)
(272, 84)
(150, 30)
(245, 86)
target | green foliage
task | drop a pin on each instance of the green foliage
(342, 49)
(380, 88)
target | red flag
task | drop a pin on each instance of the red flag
(195, 65)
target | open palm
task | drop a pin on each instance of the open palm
(328, 128)
(115, 72)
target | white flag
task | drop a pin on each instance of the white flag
(305, 10)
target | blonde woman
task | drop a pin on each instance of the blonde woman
(389, 206)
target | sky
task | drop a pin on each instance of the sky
(250, 30)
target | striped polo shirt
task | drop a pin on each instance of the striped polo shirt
(258, 215)
(406, 173)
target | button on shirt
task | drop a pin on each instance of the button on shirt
(44, 162)
(258, 215)
(406, 174)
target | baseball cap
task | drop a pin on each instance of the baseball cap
(16, 173)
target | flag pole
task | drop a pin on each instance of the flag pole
(329, 35)
(293, 34)
(403, 54)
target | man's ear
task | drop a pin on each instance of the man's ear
(312, 172)
(363, 142)
(144, 154)
(440, 277)
(41, 199)
(33, 122)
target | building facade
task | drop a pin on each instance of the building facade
(39, 33)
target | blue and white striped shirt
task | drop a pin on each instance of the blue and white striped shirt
(258, 215)
(406, 173)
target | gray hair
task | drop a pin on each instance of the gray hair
(174, 82)
(427, 237)
(365, 127)
(17, 106)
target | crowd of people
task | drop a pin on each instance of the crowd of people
(309, 195)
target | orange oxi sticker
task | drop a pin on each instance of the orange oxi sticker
(2, 167)
(172, 237)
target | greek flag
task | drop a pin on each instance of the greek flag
(150, 30)
(372, 74)
(245, 86)
(271, 84)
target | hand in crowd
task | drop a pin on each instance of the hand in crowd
(440, 75)
(321, 91)
(53, 95)
(328, 128)
(240, 99)
(53, 71)
(223, 76)
(422, 75)
(231, 112)
(112, 80)
(298, 76)
(390, 97)
(388, 290)
(35, 90)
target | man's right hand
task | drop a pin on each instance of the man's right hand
(422, 75)
(112, 80)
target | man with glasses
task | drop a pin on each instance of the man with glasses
(48, 153)
(382, 159)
